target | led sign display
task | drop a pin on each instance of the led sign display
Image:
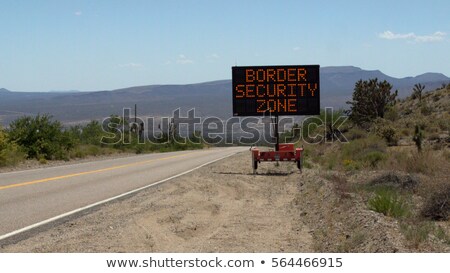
(276, 90)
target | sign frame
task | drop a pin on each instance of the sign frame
(278, 90)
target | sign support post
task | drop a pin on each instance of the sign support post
(277, 137)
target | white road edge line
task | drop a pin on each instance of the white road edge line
(16, 232)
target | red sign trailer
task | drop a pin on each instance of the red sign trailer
(286, 153)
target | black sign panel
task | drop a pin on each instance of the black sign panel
(276, 90)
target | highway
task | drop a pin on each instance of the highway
(35, 197)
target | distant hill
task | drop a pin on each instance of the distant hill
(209, 99)
(338, 82)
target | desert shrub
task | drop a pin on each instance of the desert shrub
(368, 152)
(373, 158)
(392, 114)
(351, 165)
(387, 201)
(436, 98)
(422, 122)
(396, 180)
(405, 132)
(390, 135)
(92, 133)
(10, 153)
(444, 123)
(42, 161)
(3, 139)
(356, 133)
(426, 109)
(437, 206)
(41, 137)
(386, 130)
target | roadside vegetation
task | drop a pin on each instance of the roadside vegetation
(42, 138)
(395, 162)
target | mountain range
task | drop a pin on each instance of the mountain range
(209, 99)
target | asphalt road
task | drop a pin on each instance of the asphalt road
(32, 196)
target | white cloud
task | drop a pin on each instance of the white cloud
(182, 59)
(214, 56)
(131, 65)
(435, 37)
(78, 13)
(297, 48)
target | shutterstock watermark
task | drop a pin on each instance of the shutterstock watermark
(188, 127)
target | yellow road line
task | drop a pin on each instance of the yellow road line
(22, 184)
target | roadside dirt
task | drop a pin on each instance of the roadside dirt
(223, 207)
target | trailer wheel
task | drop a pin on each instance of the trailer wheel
(255, 166)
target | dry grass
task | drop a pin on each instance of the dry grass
(416, 232)
(341, 185)
(408, 160)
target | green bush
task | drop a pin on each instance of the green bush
(3, 139)
(386, 130)
(371, 99)
(387, 201)
(10, 153)
(92, 133)
(41, 137)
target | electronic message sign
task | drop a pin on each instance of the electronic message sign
(276, 90)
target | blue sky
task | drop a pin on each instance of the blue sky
(108, 44)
